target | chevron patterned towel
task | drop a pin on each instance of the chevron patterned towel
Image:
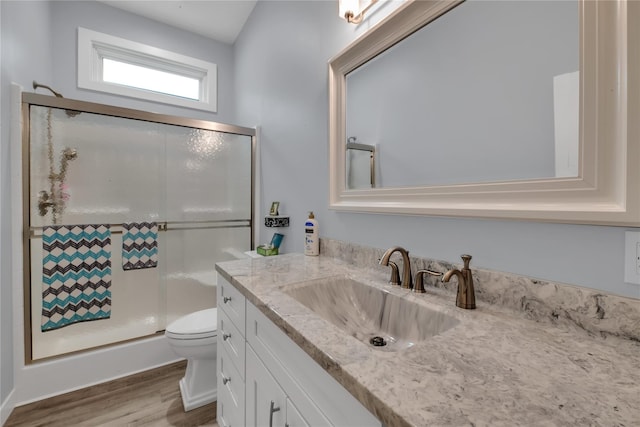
(139, 245)
(76, 274)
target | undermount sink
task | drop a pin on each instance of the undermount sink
(374, 316)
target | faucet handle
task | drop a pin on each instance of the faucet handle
(419, 284)
(395, 274)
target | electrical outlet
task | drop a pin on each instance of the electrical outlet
(632, 257)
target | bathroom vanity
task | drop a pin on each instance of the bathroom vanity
(278, 382)
(283, 361)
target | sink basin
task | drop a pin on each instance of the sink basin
(371, 315)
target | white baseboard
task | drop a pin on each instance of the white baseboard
(51, 378)
(6, 408)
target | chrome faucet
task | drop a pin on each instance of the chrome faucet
(406, 282)
(466, 296)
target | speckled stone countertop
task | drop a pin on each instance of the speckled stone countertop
(497, 367)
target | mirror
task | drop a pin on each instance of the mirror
(481, 84)
(492, 120)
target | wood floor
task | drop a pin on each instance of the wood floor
(150, 398)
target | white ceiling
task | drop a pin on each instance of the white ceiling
(220, 20)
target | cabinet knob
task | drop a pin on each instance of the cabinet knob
(272, 410)
(225, 380)
(225, 336)
(226, 299)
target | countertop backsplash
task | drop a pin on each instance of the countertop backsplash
(563, 305)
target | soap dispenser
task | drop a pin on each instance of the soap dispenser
(311, 238)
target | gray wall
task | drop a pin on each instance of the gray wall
(281, 67)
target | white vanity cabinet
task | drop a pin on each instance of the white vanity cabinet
(265, 379)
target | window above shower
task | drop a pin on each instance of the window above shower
(122, 67)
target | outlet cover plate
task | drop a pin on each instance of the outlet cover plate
(632, 257)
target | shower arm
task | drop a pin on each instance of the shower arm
(36, 85)
(69, 113)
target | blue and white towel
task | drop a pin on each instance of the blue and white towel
(76, 274)
(139, 245)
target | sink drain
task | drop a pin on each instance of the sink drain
(378, 341)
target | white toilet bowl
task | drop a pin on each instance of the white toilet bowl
(194, 337)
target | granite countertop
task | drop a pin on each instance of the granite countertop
(494, 368)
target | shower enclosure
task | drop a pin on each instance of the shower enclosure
(95, 172)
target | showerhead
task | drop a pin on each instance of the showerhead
(70, 153)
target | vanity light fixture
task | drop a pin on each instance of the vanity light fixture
(353, 11)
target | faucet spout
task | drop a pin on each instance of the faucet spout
(465, 297)
(455, 272)
(407, 281)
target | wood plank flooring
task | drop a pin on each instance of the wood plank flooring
(150, 398)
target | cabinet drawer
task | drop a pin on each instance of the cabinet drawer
(232, 302)
(231, 341)
(230, 406)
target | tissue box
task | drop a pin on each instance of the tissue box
(267, 250)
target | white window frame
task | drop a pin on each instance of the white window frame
(93, 47)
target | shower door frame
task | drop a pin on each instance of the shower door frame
(28, 232)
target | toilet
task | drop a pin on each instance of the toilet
(194, 337)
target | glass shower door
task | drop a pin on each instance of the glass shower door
(90, 176)
(111, 179)
(208, 211)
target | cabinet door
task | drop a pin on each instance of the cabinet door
(316, 395)
(294, 418)
(265, 400)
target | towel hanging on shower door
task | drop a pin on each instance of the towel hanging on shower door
(139, 245)
(76, 274)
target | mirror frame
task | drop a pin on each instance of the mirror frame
(606, 190)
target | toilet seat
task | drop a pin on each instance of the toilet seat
(198, 325)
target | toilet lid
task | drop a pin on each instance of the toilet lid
(199, 324)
